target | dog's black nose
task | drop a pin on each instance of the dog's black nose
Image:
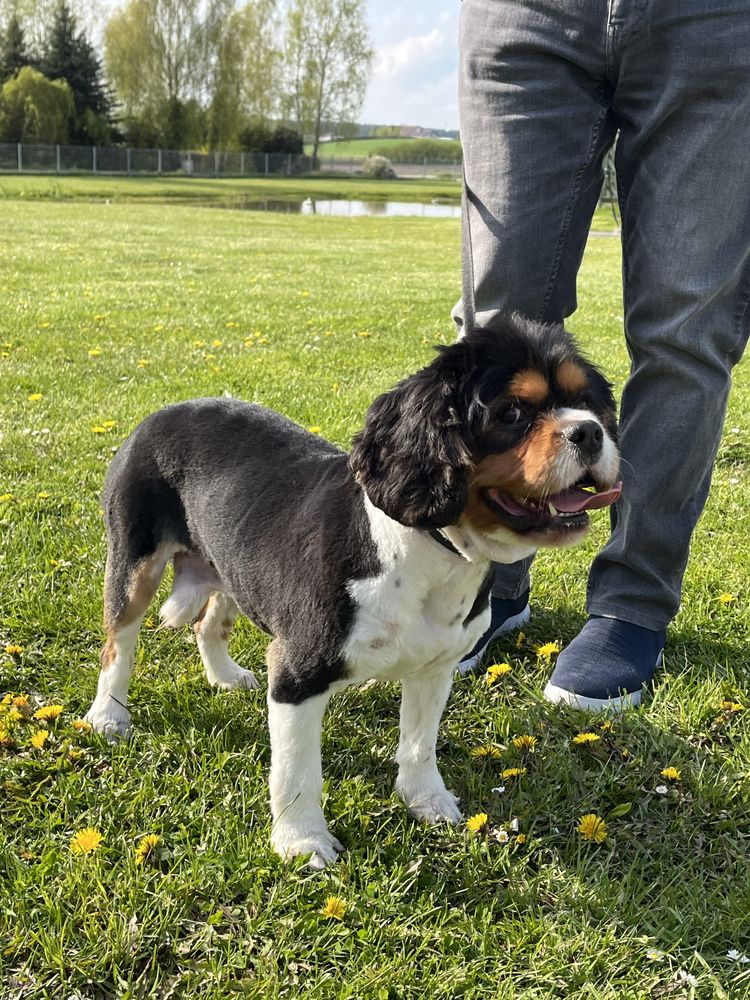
(587, 437)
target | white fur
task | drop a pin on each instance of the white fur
(109, 713)
(296, 781)
(211, 636)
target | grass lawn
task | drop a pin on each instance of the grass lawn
(110, 311)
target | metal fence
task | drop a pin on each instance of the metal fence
(48, 159)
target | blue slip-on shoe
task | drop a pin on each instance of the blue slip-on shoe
(606, 666)
(506, 615)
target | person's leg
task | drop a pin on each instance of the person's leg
(682, 98)
(535, 124)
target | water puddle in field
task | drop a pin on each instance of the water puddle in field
(345, 207)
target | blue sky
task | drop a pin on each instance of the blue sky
(414, 76)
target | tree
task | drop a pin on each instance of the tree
(160, 56)
(13, 52)
(35, 109)
(69, 55)
(328, 59)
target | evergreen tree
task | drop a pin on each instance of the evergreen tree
(13, 52)
(69, 55)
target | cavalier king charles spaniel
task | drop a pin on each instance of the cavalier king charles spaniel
(376, 564)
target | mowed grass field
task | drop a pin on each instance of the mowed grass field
(110, 311)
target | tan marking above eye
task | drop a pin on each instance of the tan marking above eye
(571, 377)
(529, 386)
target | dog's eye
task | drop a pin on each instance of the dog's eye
(512, 415)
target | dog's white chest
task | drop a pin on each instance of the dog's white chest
(420, 610)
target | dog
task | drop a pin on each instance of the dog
(375, 564)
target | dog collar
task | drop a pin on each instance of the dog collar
(440, 538)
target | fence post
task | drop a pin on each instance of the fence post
(93, 159)
(267, 171)
(242, 164)
(19, 157)
(158, 161)
(289, 164)
(216, 164)
(424, 166)
(57, 159)
(127, 157)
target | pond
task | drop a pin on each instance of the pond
(343, 206)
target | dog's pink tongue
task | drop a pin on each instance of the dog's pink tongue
(576, 499)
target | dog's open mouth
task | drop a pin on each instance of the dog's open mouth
(565, 510)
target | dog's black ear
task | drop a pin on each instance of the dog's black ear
(411, 458)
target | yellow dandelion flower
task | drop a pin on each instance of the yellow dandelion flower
(5, 497)
(48, 713)
(592, 827)
(215, 343)
(86, 841)
(605, 727)
(13, 715)
(13, 650)
(512, 772)
(671, 773)
(98, 429)
(199, 343)
(158, 328)
(364, 333)
(39, 738)
(728, 706)
(521, 838)
(146, 846)
(5, 738)
(488, 752)
(142, 362)
(81, 726)
(314, 430)
(525, 742)
(21, 701)
(43, 495)
(548, 650)
(7, 699)
(334, 909)
(726, 598)
(520, 639)
(95, 352)
(477, 823)
(497, 670)
(34, 397)
(109, 424)
(586, 738)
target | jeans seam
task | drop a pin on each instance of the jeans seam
(467, 270)
(572, 200)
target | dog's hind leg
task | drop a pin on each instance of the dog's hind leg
(129, 588)
(212, 630)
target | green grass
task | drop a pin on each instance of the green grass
(114, 188)
(400, 150)
(431, 912)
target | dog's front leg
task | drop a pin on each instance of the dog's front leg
(299, 826)
(419, 783)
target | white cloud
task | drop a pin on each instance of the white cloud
(407, 53)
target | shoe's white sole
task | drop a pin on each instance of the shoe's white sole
(514, 622)
(604, 706)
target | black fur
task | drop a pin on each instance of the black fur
(270, 506)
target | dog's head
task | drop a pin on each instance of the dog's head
(506, 432)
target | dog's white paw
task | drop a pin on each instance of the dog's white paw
(430, 801)
(291, 842)
(232, 677)
(112, 721)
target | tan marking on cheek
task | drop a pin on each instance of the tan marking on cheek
(530, 386)
(540, 450)
(571, 377)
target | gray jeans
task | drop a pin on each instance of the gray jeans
(545, 86)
